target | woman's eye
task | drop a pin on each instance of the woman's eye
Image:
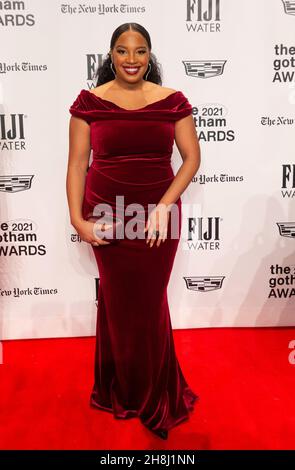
(121, 51)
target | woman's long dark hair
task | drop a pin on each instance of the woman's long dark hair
(104, 72)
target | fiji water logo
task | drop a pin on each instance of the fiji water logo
(203, 16)
(203, 234)
(288, 181)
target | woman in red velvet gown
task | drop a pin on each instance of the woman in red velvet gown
(136, 369)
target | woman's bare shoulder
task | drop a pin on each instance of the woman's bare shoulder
(160, 91)
(154, 89)
(163, 89)
(99, 90)
(169, 90)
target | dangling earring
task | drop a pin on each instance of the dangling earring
(150, 67)
(112, 68)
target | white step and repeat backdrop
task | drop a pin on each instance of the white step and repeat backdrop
(235, 62)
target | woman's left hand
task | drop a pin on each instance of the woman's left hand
(157, 222)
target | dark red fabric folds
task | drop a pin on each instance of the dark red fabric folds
(136, 369)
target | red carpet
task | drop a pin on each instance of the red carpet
(242, 375)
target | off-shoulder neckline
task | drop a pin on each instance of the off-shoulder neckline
(136, 109)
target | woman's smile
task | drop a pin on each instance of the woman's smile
(131, 70)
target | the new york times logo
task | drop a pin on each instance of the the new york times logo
(6, 67)
(203, 16)
(100, 9)
(12, 132)
(203, 233)
(221, 178)
(284, 64)
(288, 181)
(35, 290)
(282, 282)
(277, 121)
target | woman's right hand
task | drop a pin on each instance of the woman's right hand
(85, 229)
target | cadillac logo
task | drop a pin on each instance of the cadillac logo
(204, 68)
(289, 6)
(287, 229)
(13, 184)
(204, 283)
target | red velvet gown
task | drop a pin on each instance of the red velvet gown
(136, 369)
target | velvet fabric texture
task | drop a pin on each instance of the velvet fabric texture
(136, 369)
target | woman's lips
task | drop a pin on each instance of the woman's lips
(131, 70)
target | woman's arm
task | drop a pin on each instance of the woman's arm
(187, 142)
(78, 161)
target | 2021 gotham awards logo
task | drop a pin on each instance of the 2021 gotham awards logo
(284, 64)
(14, 14)
(203, 16)
(281, 282)
(20, 238)
(211, 121)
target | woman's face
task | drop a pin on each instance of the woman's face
(130, 56)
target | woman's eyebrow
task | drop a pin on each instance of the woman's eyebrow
(139, 47)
